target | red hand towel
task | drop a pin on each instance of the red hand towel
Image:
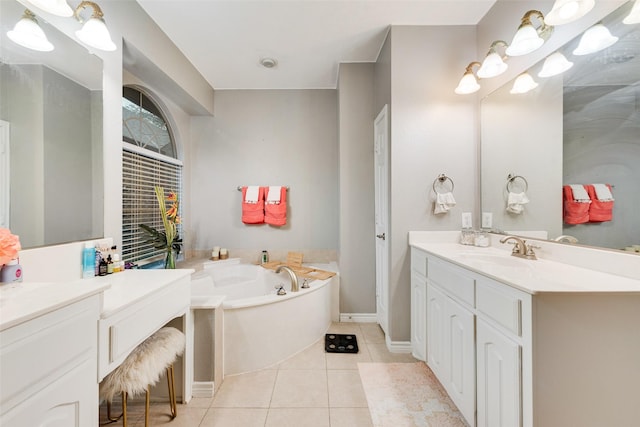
(599, 211)
(253, 213)
(572, 211)
(276, 213)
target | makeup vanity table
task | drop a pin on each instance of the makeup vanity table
(59, 340)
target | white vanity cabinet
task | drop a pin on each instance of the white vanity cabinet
(418, 304)
(451, 333)
(48, 367)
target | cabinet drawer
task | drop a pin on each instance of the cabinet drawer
(419, 261)
(501, 304)
(454, 280)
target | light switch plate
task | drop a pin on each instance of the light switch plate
(487, 220)
(466, 220)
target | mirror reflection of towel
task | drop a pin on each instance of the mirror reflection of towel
(444, 202)
(516, 202)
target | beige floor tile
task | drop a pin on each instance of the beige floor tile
(380, 353)
(300, 389)
(350, 417)
(298, 417)
(345, 328)
(345, 389)
(313, 357)
(235, 417)
(372, 333)
(348, 360)
(200, 402)
(252, 390)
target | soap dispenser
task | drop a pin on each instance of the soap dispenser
(11, 272)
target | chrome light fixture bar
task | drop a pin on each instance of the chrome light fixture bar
(594, 40)
(54, 7)
(555, 64)
(565, 11)
(27, 33)
(493, 64)
(468, 83)
(527, 38)
(634, 16)
(94, 32)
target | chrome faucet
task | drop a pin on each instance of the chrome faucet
(520, 248)
(292, 275)
(566, 238)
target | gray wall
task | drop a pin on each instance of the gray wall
(266, 137)
(357, 222)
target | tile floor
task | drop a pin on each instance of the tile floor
(311, 389)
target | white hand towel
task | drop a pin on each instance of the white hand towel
(251, 195)
(580, 193)
(273, 196)
(444, 202)
(516, 202)
(603, 193)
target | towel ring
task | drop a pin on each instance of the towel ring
(442, 178)
(511, 179)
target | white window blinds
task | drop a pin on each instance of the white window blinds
(140, 173)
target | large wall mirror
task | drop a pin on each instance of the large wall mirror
(51, 178)
(579, 127)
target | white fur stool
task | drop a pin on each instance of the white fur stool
(142, 369)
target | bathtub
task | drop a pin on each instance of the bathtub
(262, 328)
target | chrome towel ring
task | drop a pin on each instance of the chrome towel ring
(440, 181)
(511, 178)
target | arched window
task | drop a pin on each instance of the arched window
(149, 158)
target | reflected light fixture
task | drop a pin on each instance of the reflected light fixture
(527, 38)
(523, 84)
(27, 33)
(634, 16)
(54, 7)
(595, 39)
(565, 11)
(493, 64)
(468, 83)
(555, 64)
(94, 32)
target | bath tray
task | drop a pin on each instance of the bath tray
(340, 343)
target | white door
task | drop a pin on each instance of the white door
(5, 192)
(381, 137)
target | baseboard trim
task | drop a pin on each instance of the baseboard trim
(358, 317)
(398, 346)
(202, 389)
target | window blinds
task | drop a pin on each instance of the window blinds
(140, 174)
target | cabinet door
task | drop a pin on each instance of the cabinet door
(418, 316)
(460, 358)
(499, 391)
(436, 346)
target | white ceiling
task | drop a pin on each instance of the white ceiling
(225, 39)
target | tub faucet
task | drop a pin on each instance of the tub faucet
(520, 249)
(292, 275)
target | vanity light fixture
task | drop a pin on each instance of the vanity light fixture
(493, 64)
(527, 38)
(523, 84)
(595, 39)
(468, 83)
(555, 64)
(634, 16)
(54, 7)
(94, 32)
(27, 33)
(565, 11)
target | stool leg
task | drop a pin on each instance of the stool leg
(124, 409)
(146, 407)
(172, 392)
(111, 418)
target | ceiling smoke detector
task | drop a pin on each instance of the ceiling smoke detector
(268, 62)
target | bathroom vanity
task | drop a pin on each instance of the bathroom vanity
(519, 342)
(59, 340)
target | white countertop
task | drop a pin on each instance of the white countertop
(531, 276)
(24, 301)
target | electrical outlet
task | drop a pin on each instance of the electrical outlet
(466, 220)
(487, 220)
